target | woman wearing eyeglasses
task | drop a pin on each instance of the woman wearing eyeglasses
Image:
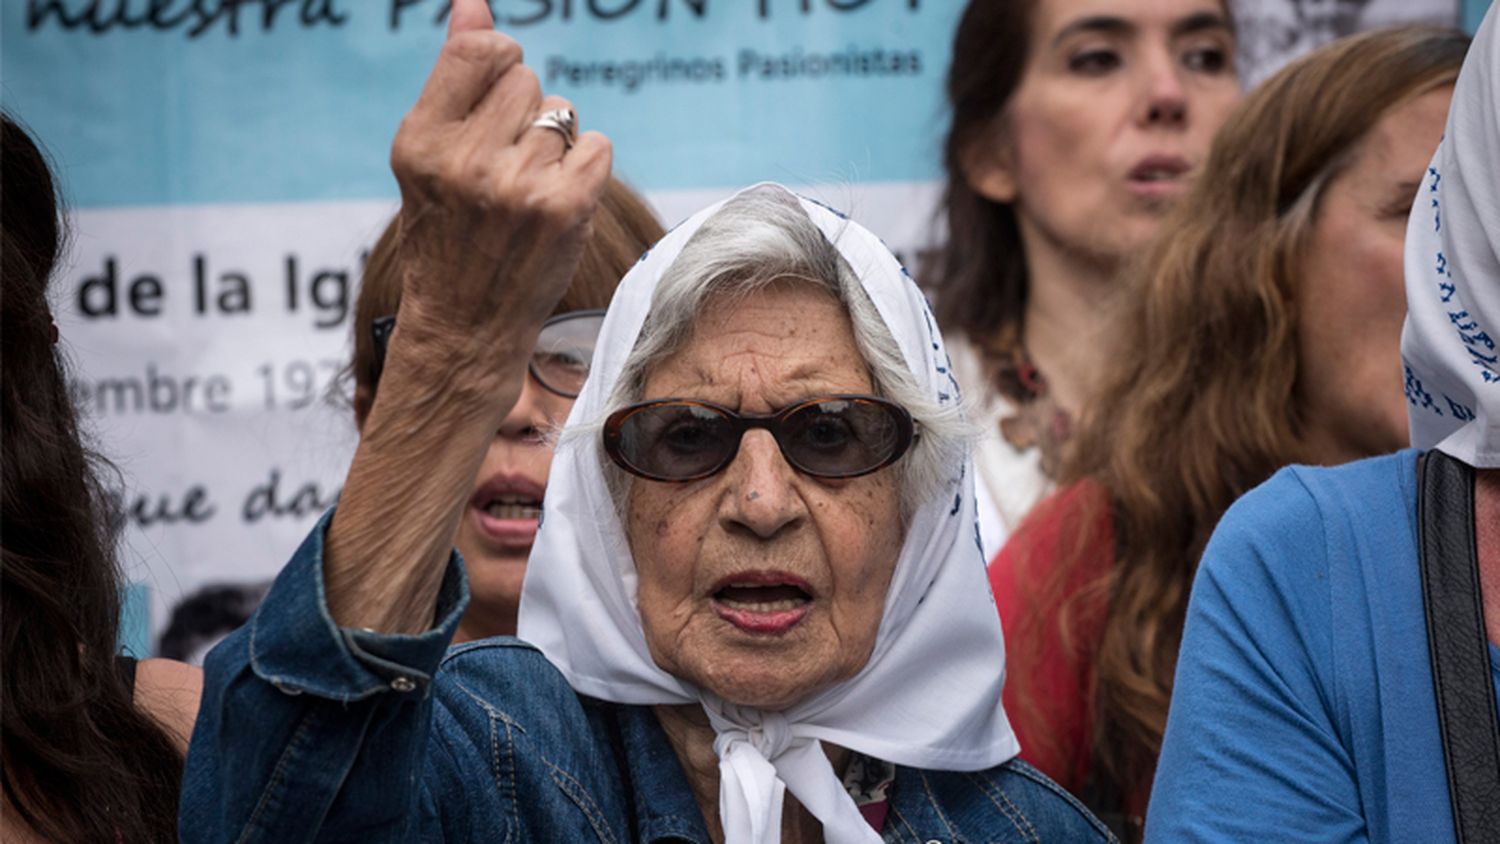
(757, 609)
(499, 522)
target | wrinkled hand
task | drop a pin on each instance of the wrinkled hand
(494, 215)
(494, 212)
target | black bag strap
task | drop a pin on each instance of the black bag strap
(1457, 645)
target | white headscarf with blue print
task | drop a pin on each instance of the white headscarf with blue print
(1451, 343)
(929, 696)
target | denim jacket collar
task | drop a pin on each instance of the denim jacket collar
(663, 802)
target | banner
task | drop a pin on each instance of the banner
(1273, 32)
(225, 162)
(1473, 13)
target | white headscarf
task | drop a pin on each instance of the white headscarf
(929, 696)
(1451, 342)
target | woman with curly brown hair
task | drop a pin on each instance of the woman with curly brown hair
(1261, 330)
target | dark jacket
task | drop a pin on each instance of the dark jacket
(309, 731)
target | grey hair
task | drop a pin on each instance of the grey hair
(761, 237)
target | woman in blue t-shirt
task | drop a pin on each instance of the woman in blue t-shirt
(1304, 706)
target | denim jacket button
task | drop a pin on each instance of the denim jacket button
(286, 688)
(403, 684)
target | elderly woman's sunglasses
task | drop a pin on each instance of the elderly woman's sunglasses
(826, 437)
(562, 357)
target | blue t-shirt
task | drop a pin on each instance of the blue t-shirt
(1303, 708)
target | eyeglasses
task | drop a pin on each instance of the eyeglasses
(826, 437)
(560, 361)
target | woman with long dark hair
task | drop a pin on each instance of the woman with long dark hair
(92, 742)
(1076, 125)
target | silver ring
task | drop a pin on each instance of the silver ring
(563, 121)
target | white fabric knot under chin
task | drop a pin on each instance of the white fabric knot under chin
(768, 732)
(760, 757)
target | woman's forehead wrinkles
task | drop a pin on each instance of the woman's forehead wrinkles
(787, 361)
(761, 387)
(767, 322)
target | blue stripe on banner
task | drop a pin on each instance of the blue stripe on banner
(245, 101)
(135, 621)
(1473, 13)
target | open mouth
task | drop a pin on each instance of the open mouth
(763, 602)
(763, 598)
(512, 507)
(1156, 175)
(1160, 173)
(505, 512)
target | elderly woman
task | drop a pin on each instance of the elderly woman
(757, 574)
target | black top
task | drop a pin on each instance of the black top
(126, 666)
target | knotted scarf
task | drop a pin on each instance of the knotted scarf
(929, 697)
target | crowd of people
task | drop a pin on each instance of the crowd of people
(1176, 517)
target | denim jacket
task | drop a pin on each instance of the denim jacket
(312, 732)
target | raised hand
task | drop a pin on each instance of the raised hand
(495, 210)
(494, 214)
